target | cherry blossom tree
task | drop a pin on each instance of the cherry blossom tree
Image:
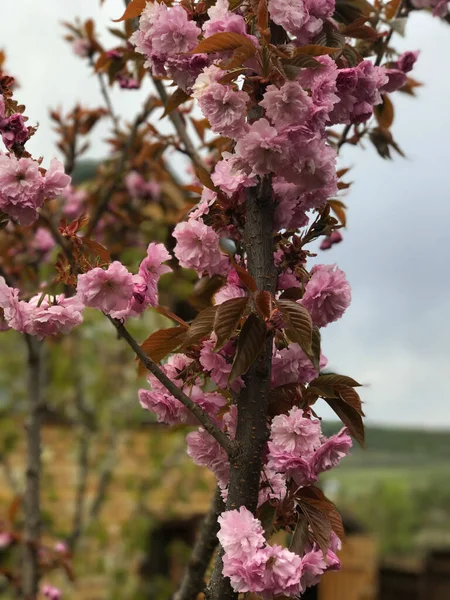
(271, 91)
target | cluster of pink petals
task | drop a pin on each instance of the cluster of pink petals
(298, 449)
(41, 316)
(23, 188)
(12, 128)
(225, 109)
(198, 248)
(43, 240)
(301, 18)
(291, 365)
(331, 240)
(359, 90)
(117, 292)
(167, 408)
(138, 187)
(396, 73)
(440, 7)
(255, 566)
(222, 19)
(73, 201)
(327, 294)
(51, 592)
(82, 47)
(165, 36)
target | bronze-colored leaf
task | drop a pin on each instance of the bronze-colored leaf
(350, 417)
(202, 326)
(264, 303)
(244, 276)
(335, 379)
(250, 343)
(350, 396)
(228, 315)
(384, 112)
(318, 522)
(298, 323)
(392, 9)
(338, 208)
(205, 178)
(175, 100)
(358, 30)
(315, 50)
(133, 10)
(222, 42)
(315, 497)
(160, 343)
(300, 536)
(163, 310)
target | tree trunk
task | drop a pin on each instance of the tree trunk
(252, 430)
(32, 526)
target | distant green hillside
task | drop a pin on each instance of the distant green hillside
(390, 446)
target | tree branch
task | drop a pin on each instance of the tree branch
(180, 127)
(193, 579)
(252, 430)
(32, 525)
(203, 417)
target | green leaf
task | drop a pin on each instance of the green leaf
(250, 343)
(228, 315)
(298, 322)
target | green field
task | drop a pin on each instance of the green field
(398, 488)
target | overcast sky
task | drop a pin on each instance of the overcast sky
(394, 337)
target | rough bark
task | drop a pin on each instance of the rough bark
(252, 430)
(32, 524)
(193, 581)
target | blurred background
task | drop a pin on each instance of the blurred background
(141, 498)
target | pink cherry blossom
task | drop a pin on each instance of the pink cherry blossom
(295, 433)
(81, 47)
(327, 294)
(288, 105)
(225, 109)
(109, 290)
(313, 567)
(262, 148)
(59, 316)
(12, 129)
(332, 451)
(205, 451)
(198, 247)
(73, 201)
(222, 19)
(284, 574)
(21, 188)
(247, 571)
(240, 532)
(229, 177)
(55, 179)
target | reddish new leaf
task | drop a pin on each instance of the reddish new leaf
(227, 317)
(133, 10)
(244, 276)
(338, 208)
(202, 326)
(163, 310)
(384, 112)
(264, 303)
(350, 417)
(350, 396)
(318, 522)
(298, 322)
(315, 50)
(205, 178)
(160, 343)
(250, 343)
(222, 42)
(175, 100)
(300, 536)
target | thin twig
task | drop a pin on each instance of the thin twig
(203, 417)
(32, 526)
(180, 127)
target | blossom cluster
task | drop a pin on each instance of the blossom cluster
(255, 566)
(12, 127)
(23, 187)
(114, 290)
